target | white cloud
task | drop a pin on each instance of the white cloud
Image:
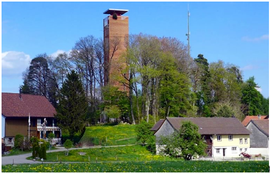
(14, 63)
(256, 39)
(248, 67)
(55, 54)
(258, 89)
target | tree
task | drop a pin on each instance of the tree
(223, 110)
(39, 80)
(203, 95)
(68, 144)
(174, 89)
(72, 109)
(185, 143)
(115, 102)
(251, 97)
(112, 111)
(143, 132)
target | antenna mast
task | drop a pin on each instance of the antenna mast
(188, 33)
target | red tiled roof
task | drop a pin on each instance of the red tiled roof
(249, 118)
(214, 125)
(262, 125)
(37, 106)
(157, 125)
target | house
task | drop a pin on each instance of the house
(259, 137)
(225, 137)
(21, 110)
(157, 125)
(249, 118)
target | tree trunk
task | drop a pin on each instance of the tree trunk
(130, 98)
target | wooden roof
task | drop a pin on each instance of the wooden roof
(37, 106)
(212, 125)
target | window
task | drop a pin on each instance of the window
(245, 149)
(219, 137)
(230, 137)
(233, 148)
(241, 149)
(217, 150)
(39, 122)
(241, 140)
(246, 141)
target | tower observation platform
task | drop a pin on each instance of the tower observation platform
(119, 12)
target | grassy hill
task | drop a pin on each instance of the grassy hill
(109, 135)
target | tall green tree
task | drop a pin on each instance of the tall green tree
(72, 109)
(204, 94)
(252, 98)
(39, 80)
(174, 89)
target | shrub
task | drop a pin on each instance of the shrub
(50, 137)
(35, 145)
(151, 144)
(143, 132)
(68, 144)
(42, 152)
(19, 141)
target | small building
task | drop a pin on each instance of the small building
(25, 114)
(225, 137)
(259, 137)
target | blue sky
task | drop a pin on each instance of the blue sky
(234, 32)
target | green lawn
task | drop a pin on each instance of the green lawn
(155, 166)
(109, 135)
(105, 154)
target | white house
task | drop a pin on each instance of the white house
(225, 137)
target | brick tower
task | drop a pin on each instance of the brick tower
(115, 31)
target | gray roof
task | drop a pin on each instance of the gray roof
(262, 125)
(157, 125)
(212, 125)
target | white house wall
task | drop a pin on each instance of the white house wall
(3, 126)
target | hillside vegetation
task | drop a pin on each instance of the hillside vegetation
(109, 135)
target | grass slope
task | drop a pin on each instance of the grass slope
(109, 135)
(156, 166)
(126, 153)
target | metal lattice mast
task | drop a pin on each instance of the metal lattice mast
(188, 34)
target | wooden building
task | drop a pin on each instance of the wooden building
(24, 114)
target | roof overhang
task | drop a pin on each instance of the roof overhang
(111, 11)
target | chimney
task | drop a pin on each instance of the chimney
(259, 117)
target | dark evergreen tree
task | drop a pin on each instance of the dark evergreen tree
(72, 109)
(251, 98)
(204, 95)
(39, 80)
